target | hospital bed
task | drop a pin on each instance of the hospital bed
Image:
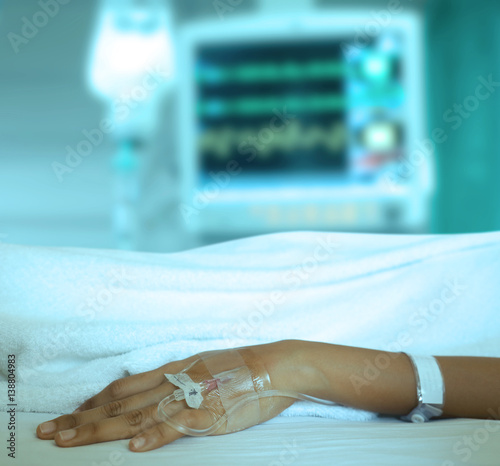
(285, 441)
(77, 319)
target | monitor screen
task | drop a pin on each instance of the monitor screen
(292, 107)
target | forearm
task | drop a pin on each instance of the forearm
(384, 382)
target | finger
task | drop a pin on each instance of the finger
(132, 385)
(48, 430)
(125, 426)
(123, 388)
(162, 433)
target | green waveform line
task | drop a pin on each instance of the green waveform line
(265, 105)
(271, 72)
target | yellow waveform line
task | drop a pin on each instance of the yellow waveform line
(224, 142)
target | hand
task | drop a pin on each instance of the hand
(128, 407)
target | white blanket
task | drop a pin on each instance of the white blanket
(77, 319)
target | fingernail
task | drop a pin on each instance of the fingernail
(67, 434)
(138, 442)
(47, 427)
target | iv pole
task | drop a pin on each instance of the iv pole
(130, 68)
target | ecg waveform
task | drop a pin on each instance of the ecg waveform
(225, 141)
(271, 72)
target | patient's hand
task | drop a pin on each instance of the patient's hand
(128, 407)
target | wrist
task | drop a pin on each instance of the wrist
(291, 365)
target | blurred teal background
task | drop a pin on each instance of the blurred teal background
(46, 103)
(462, 44)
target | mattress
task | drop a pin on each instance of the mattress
(284, 441)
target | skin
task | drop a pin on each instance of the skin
(127, 408)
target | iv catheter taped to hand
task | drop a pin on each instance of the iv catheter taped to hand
(225, 391)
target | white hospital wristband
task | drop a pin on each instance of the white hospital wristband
(430, 389)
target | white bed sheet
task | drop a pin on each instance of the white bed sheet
(283, 441)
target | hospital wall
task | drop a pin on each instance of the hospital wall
(463, 51)
(45, 107)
